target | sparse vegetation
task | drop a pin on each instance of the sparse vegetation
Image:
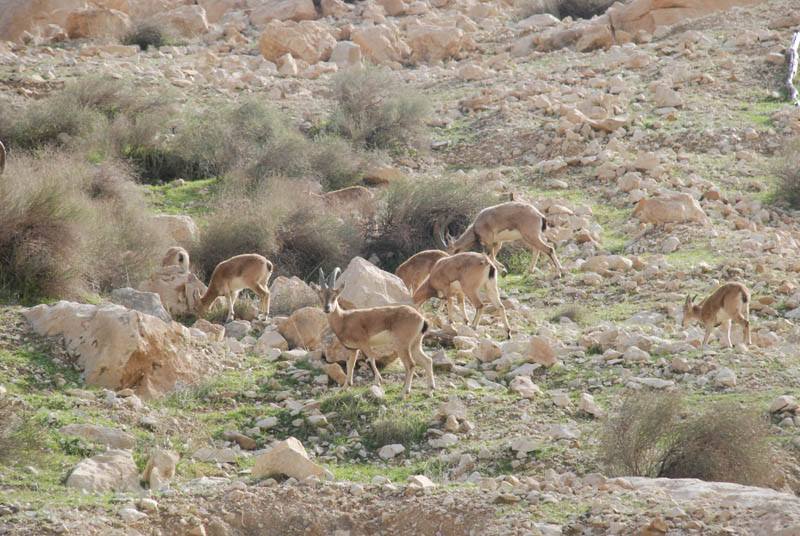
(789, 173)
(146, 34)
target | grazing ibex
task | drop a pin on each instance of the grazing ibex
(231, 276)
(465, 274)
(360, 329)
(515, 220)
(417, 267)
(727, 303)
(177, 256)
(2, 157)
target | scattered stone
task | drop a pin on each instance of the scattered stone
(289, 458)
(725, 377)
(387, 452)
(113, 470)
(116, 439)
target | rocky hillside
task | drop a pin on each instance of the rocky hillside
(652, 137)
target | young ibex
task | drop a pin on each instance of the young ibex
(417, 267)
(360, 329)
(177, 256)
(515, 220)
(727, 303)
(230, 277)
(463, 273)
(2, 157)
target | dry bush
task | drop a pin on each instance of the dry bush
(633, 440)
(725, 443)
(146, 33)
(276, 221)
(583, 9)
(336, 163)
(404, 223)
(371, 110)
(68, 227)
(789, 173)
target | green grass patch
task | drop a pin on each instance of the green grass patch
(193, 197)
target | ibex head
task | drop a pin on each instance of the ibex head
(328, 295)
(688, 309)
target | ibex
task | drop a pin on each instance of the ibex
(360, 329)
(2, 157)
(231, 276)
(463, 273)
(727, 303)
(417, 267)
(514, 220)
(177, 256)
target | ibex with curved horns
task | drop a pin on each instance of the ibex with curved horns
(514, 220)
(727, 303)
(360, 329)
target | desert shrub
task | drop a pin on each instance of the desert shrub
(516, 257)
(370, 109)
(146, 34)
(633, 440)
(725, 442)
(789, 173)
(336, 162)
(583, 9)
(69, 227)
(397, 426)
(275, 221)
(50, 121)
(404, 223)
(575, 313)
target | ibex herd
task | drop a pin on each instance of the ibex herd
(443, 274)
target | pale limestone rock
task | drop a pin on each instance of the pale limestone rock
(287, 66)
(366, 285)
(346, 54)
(18, 18)
(268, 340)
(215, 455)
(181, 228)
(116, 439)
(289, 458)
(670, 208)
(453, 407)
(96, 23)
(524, 386)
(335, 372)
(431, 43)
(177, 289)
(387, 452)
(725, 377)
(294, 10)
(214, 332)
(560, 398)
(393, 8)
(488, 351)
(307, 40)
(144, 302)
(666, 96)
(540, 351)
(525, 445)
(119, 348)
(160, 468)
(304, 328)
(290, 294)
(784, 403)
(334, 8)
(187, 21)
(564, 431)
(111, 471)
(380, 44)
(589, 405)
(670, 244)
(421, 481)
(680, 365)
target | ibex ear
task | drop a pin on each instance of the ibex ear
(315, 287)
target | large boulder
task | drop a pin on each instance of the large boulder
(216, 9)
(182, 229)
(649, 14)
(19, 16)
(288, 294)
(186, 21)
(111, 437)
(670, 208)
(366, 285)
(295, 10)
(380, 44)
(118, 348)
(434, 43)
(146, 302)
(111, 471)
(307, 40)
(176, 288)
(304, 328)
(97, 23)
(288, 458)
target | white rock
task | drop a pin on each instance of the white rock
(725, 377)
(113, 470)
(387, 452)
(289, 458)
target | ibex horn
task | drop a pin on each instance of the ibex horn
(322, 283)
(2, 157)
(439, 228)
(334, 275)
